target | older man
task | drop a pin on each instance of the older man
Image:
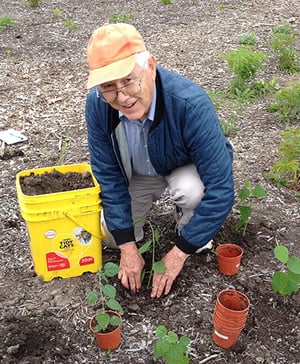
(150, 129)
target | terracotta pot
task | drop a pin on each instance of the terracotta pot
(229, 258)
(230, 315)
(107, 340)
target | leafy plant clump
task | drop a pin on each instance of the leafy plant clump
(286, 171)
(245, 64)
(287, 103)
(6, 23)
(249, 39)
(150, 246)
(247, 194)
(105, 294)
(283, 44)
(286, 281)
(171, 347)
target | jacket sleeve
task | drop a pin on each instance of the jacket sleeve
(107, 169)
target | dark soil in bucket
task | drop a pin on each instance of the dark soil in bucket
(55, 181)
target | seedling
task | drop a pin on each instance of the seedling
(149, 246)
(248, 39)
(171, 347)
(246, 194)
(105, 294)
(72, 27)
(286, 281)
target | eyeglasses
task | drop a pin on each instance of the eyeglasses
(132, 88)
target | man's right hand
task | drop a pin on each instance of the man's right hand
(131, 267)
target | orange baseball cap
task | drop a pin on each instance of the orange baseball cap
(111, 52)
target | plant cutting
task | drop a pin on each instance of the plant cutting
(149, 246)
(106, 324)
(171, 347)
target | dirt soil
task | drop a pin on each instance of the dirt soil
(43, 88)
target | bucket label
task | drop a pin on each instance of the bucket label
(66, 244)
(56, 261)
(86, 260)
(83, 236)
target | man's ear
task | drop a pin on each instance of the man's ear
(152, 66)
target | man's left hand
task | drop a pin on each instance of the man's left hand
(174, 261)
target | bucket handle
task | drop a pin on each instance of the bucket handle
(102, 233)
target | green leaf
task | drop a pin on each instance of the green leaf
(111, 269)
(145, 247)
(175, 355)
(102, 320)
(114, 305)
(248, 184)
(259, 192)
(279, 282)
(115, 320)
(244, 194)
(161, 347)
(159, 267)
(294, 264)
(295, 278)
(109, 290)
(281, 253)
(184, 342)
(172, 337)
(92, 297)
(161, 331)
(245, 212)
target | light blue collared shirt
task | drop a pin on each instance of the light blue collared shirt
(137, 138)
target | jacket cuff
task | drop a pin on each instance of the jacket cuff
(123, 236)
(185, 246)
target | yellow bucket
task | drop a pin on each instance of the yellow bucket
(64, 228)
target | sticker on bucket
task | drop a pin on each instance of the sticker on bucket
(83, 236)
(86, 260)
(221, 336)
(56, 261)
(50, 234)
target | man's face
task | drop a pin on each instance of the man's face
(135, 92)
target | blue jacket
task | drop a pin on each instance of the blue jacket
(185, 130)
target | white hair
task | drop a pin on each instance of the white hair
(141, 59)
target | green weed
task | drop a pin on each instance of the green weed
(286, 171)
(121, 18)
(6, 23)
(283, 44)
(249, 39)
(70, 25)
(287, 103)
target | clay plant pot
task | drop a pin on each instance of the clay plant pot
(107, 340)
(230, 315)
(229, 258)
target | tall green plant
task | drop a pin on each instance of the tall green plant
(245, 64)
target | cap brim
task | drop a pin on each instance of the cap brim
(111, 72)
